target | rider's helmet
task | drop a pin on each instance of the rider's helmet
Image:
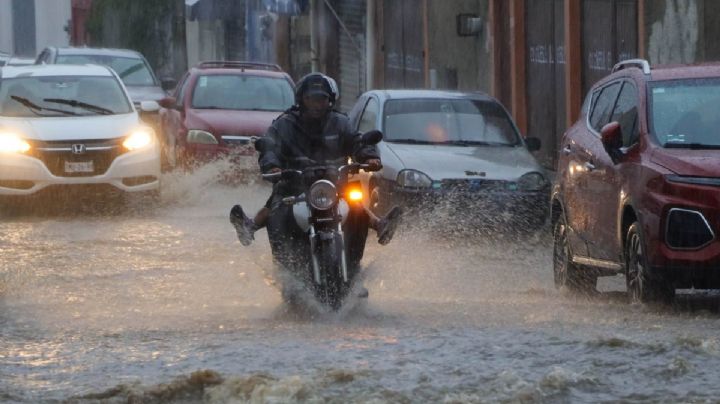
(316, 83)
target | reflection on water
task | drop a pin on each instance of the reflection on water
(160, 303)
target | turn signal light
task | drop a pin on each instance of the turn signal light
(355, 195)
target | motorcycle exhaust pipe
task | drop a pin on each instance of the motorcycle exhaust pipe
(313, 254)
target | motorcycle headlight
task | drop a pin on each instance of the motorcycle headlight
(139, 139)
(12, 143)
(532, 182)
(323, 195)
(201, 137)
(413, 179)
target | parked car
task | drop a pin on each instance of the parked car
(456, 150)
(72, 125)
(638, 186)
(219, 106)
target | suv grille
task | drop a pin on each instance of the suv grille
(55, 154)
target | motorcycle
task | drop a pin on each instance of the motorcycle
(319, 235)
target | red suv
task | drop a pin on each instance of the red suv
(218, 107)
(638, 187)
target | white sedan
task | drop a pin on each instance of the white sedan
(73, 125)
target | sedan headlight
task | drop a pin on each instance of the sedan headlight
(12, 143)
(201, 137)
(413, 179)
(532, 182)
(323, 195)
(139, 139)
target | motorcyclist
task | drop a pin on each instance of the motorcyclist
(311, 130)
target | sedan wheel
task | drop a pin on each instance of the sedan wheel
(566, 274)
(642, 285)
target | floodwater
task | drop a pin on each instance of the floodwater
(164, 305)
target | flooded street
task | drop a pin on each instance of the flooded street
(165, 305)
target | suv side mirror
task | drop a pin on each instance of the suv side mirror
(533, 143)
(168, 102)
(168, 83)
(611, 137)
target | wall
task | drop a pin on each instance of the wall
(460, 62)
(6, 29)
(53, 19)
(674, 29)
(205, 41)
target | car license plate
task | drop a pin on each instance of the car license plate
(79, 167)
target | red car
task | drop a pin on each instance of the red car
(638, 186)
(218, 107)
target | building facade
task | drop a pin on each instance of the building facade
(27, 26)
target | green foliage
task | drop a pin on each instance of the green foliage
(132, 24)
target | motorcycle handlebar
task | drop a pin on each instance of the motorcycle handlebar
(353, 168)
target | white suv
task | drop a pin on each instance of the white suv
(70, 125)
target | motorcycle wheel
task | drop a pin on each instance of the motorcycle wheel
(332, 289)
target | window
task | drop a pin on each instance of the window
(242, 92)
(603, 106)
(181, 90)
(626, 113)
(368, 121)
(132, 71)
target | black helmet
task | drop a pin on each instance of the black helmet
(316, 83)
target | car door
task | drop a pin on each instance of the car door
(582, 148)
(606, 182)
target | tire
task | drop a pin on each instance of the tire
(643, 284)
(375, 199)
(566, 274)
(332, 289)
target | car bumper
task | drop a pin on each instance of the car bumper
(488, 208)
(134, 171)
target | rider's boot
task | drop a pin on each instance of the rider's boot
(387, 225)
(244, 226)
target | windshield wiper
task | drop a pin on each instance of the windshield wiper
(80, 104)
(410, 141)
(130, 70)
(695, 146)
(474, 143)
(36, 108)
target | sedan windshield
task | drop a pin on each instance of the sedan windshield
(448, 121)
(684, 113)
(62, 96)
(244, 92)
(132, 71)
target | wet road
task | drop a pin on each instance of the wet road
(164, 305)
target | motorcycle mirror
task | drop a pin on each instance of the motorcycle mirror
(372, 137)
(264, 144)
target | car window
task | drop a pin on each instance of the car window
(132, 71)
(242, 92)
(603, 106)
(683, 113)
(448, 121)
(181, 89)
(368, 121)
(626, 113)
(44, 96)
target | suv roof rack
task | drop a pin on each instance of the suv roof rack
(639, 63)
(219, 64)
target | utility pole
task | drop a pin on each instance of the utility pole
(314, 47)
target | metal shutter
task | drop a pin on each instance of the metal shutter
(352, 59)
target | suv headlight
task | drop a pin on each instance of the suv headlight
(533, 181)
(201, 137)
(413, 179)
(139, 139)
(322, 195)
(12, 143)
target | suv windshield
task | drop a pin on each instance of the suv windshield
(242, 92)
(448, 121)
(684, 113)
(132, 71)
(62, 96)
